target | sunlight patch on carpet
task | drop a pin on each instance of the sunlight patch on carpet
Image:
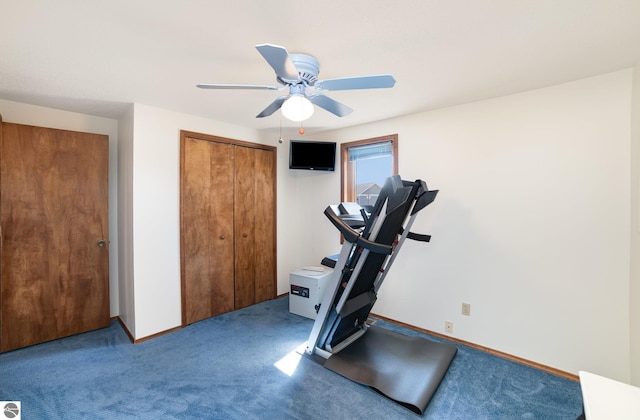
(289, 362)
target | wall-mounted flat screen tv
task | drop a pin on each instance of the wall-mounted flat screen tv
(312, 155)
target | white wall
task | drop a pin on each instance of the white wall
(292, 222)
(20, 113)
(125, 221)
(634, 295)
(309, 230)
(531, 225)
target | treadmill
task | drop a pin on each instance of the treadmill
(405, 369)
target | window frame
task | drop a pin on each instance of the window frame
(347, 173)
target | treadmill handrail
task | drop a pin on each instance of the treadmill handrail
(416, 236)
(419, 237)
(352, 236)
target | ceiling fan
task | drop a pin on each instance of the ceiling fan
(299, 72)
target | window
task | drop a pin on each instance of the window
(365, 165)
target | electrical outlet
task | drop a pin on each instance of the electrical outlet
(466, 309)
(448, 327)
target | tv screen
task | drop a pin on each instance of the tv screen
(312, 155)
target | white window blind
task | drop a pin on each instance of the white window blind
(370, 151)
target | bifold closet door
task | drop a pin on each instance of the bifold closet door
(207, 232)
(254, 222)
(55, 245)
(228, 230)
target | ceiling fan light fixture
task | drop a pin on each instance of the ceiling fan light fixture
(297, 108)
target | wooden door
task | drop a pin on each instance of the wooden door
(255, 222)
(207, 231)
(265, 225)
(54, 219)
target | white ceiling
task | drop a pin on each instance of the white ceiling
(96, 57)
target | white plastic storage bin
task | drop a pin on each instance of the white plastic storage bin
(306, 290)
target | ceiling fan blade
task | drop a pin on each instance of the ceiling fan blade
(224, 86)
(331, 105)
(361, 82)
(279, 59)
(273, 107)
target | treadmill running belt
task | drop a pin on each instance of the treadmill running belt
(405, 369)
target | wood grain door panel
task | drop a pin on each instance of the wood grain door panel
(207, 229)
(244, 205)
(265, 225)
(54, 211)
(255, 221)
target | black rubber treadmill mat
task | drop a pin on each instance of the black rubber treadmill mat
(405, 369)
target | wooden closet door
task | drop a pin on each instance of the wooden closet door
(207, 231)
(255, 226)
(228, 232)
(265, 225)
(54, 218)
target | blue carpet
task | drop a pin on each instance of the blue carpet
(224, 368)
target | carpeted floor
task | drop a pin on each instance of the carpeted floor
(234, 367)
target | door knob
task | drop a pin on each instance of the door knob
(244, 235)
(101, 242)
(222, 237)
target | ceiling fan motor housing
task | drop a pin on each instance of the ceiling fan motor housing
(308, 68)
